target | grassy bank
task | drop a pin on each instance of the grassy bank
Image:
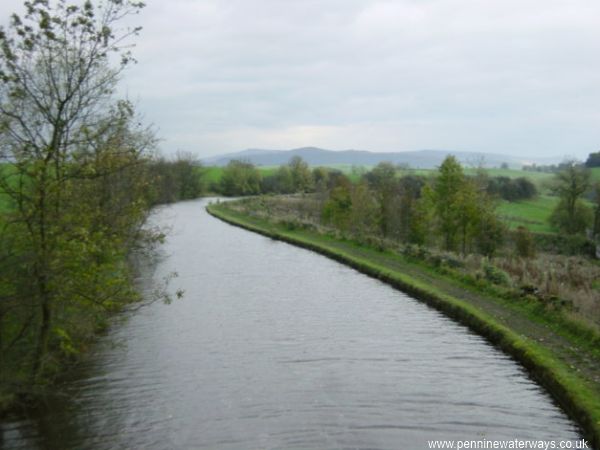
(560, 356)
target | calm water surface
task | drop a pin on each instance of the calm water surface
(277, 347)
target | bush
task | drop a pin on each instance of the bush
(512, 189)
(495, 275)
(524, 244)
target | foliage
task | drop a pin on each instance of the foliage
(281, 182)
(78, 184)
(240, 178)
(511, 189)
(364, 211)
(302, 179)
(495, 275)
(445, 198)
(408, 215)
(571, 214)
(382, 180)
(596, 226)
(593, 160)
(337, 209)
(524, 243)
(462, 213)
(176, 179)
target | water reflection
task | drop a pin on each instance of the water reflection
(277, 347)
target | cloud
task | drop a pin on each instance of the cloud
(513, 76)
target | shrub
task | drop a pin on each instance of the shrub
(524, 244)
(495, 275)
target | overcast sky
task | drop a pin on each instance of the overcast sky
(507, 76)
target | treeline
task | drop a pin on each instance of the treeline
(177, 178)
(78, 179)
(452, 207)
(593, 160)
(243, 178)
(456, 212)
(449, 209)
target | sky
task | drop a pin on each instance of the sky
(519, 77)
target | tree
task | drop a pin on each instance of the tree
(320, 177)
(187, 169)
(571, 214)
(596, 228)
(337, 209)
(593, 160)
(382, 180)
(364, 212)
(446, 198)
(404, 209)
(511, 189)
(468, 213)
(179, 178)
(240, 178)
(524, 243)
(463, 212)
(302, 178)
(281, 182)
(77, 178)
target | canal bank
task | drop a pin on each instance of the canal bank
(566, 368)
(275, 346)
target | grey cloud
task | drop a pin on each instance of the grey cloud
(501, 75)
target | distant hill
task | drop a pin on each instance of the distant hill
(422, 159)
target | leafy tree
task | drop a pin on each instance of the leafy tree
(468, 213)
(187, 169)
(404, 210)
(462, 212)
(593, 160)
(78, 175)
(511, 189)
(382, 180)
(337, 209)
(364, 213)
(446, 199)
(302, 179)
(240, 178)
(524, 243)
(490, 231)
(177, 179)
(571, 214)
(320, 177)
(596, 228)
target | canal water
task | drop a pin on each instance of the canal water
(276, 347)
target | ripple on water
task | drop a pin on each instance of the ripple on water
(277, 347)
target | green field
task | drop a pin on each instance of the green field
(533, 214)
(213, 174)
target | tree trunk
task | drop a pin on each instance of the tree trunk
(43, 336)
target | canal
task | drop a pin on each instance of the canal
(276, 347)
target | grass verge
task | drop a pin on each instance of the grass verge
(549, 357)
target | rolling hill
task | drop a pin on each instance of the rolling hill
(423, 159)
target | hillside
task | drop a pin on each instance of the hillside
(424, 159)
